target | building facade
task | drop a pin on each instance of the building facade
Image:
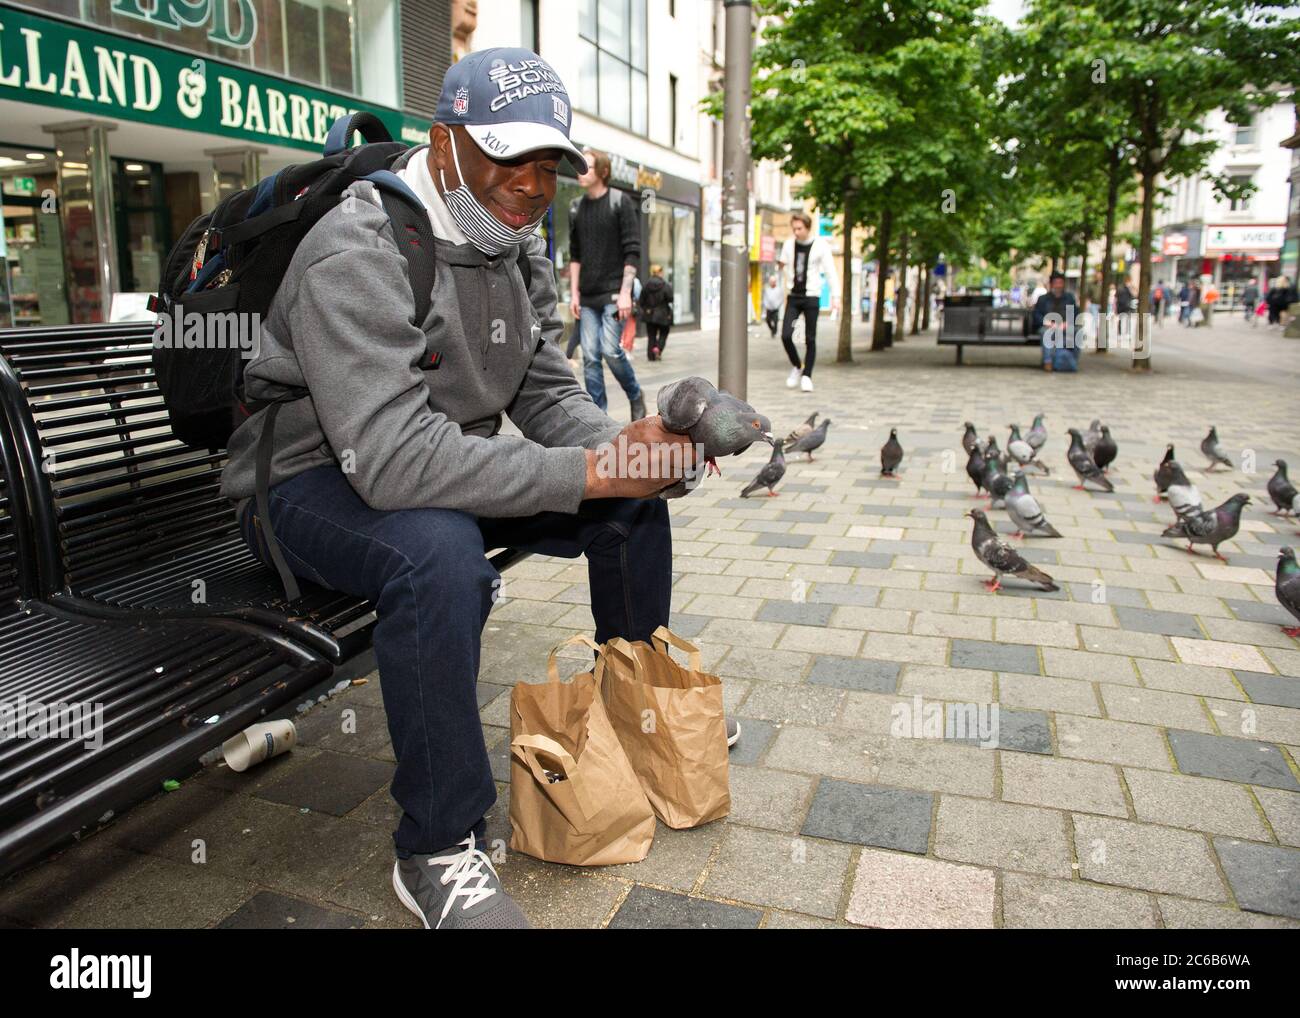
(1231, 242)
(125, 119)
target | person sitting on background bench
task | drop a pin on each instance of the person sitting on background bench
(392, 479)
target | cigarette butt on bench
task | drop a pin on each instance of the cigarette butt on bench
(259, 742)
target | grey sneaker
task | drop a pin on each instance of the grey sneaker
(638, 407)
(456, 890)
(733, 731)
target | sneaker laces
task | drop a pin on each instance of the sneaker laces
(465, 869)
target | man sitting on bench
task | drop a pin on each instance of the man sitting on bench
(391, 479)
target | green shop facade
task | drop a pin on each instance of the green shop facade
(122, 120)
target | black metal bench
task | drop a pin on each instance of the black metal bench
(123, 575)
(981, 325)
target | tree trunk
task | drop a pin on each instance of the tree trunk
(882, 270)
(1142, 347)
(844, 351)
(1112, 200)
(900, 291)
(1083, 271)
(920, 298)
(925, 302)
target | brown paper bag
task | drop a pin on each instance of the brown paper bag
(574, 797)
(669, 720)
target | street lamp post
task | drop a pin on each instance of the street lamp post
(733, 338)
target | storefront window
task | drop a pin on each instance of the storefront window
(672, 245)
(143, 227)
(342, 45)
(33, 240)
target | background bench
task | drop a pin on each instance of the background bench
(124, 581)
(966, 324)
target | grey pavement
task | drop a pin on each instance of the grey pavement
(916, 751)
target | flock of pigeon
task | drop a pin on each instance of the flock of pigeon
(1002, 477)
(725, 425)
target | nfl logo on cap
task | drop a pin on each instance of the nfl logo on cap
(460, 105)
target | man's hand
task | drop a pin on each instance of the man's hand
(575, 309)
(624, 305)
(835, 305)
(644, 459)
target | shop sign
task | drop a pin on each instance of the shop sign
(1175, 244)
(55, 63)
(1245, 238)
(173, 14)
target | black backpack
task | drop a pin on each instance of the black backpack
(233, 259)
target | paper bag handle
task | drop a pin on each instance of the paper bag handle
(664, 635)
(520, 745)
(552, 671)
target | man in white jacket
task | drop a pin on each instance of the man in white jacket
(807, 263)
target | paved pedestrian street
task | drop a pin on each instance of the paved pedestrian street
(916, 751)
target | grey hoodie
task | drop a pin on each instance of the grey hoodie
(407, 437)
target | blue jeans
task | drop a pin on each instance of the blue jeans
(601, 330)
(432, 586)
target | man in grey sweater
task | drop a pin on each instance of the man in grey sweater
(392, 478)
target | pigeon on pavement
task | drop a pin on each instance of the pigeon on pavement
(1106, 449)
(1024, 511)
(1092, 436)
(1037, 436)
(970, 439)
(1210, 526)
(1214, 451)
(811, 441)
(1022, 452)
(996, 482)
(1282, 491)
(975, 468)
(1287, 587)
(719, 422)
(772, 472)
(1164, 475)
(1182, 494)
(1083, 465)
(801, 430)
(891, 454)
(1002, 558)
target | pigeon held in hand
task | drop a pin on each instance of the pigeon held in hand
(717, 421)
(1214, 451)
(1106, 449)
(1083, 466)
(1287, 587)
(1024, 511)
(1210, 526)
(811, 441)
(771, 474)
(801, 430)
(1003, 559)
(1282, 491)
(891, 454)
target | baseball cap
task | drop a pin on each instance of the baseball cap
(511, 102)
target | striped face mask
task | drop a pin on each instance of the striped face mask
(484, 230)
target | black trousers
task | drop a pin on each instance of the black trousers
(794, 307)
(656, 337)
(773, 318)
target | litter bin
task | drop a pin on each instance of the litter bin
(889, 334)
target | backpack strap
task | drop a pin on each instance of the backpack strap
(261, 484)
(340, 134)
(414, 235)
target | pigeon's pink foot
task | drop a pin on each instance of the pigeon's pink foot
(712, 467)
(1291, 630)
(1221, 558)
(1017, 534)
(772, 494)
(1079, 487)
(993, 585)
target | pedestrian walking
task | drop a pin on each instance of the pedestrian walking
(1250, 302)
(773, 298)
(1185, 305)
(604, 254)
(807, 263)
(656, 303)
